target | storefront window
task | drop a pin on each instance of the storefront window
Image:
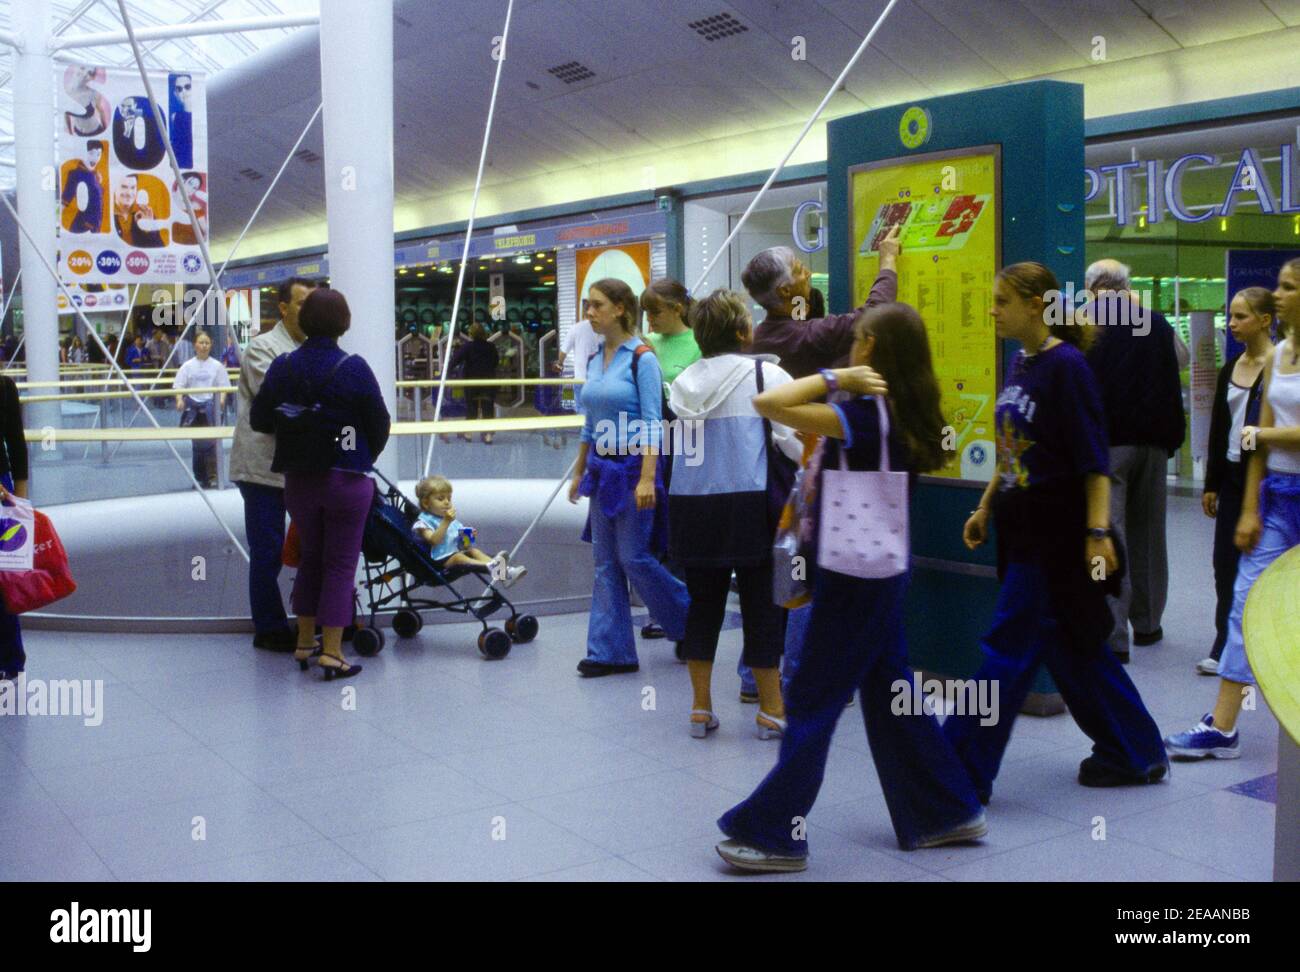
(1197, 215)
(793, 216)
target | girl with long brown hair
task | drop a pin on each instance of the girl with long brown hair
(855, 639)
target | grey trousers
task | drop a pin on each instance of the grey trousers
(1138, 494)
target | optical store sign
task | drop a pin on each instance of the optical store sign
(1164, 187)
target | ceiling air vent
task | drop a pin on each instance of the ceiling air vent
(718, 27)
(306, 155)
(572, 72)
(252, 175)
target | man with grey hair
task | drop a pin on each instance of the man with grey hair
(781, 284)
(1137, 371)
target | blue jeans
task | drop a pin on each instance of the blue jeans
(621, 547)
(855, 642)
(1102, 699)
(264, 527)
(12, 657)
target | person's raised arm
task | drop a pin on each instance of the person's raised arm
(797, 404)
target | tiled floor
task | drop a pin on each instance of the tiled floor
(218, 762)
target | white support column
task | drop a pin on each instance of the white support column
(34, 114)
(356, 55)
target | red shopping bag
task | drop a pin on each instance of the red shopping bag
(290, 554)
(48, 581)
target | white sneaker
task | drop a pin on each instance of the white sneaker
(1207, 666)
(513, 574)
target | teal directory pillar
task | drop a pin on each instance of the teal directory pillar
(972, 182)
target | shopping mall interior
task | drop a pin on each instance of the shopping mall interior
(474, 175)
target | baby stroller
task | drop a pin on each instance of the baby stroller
(397, 565)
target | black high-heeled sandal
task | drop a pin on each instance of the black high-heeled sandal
(304, 661)
(338, 669)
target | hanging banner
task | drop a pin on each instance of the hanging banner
(1204, 378)
(122, 217)
(94, 298)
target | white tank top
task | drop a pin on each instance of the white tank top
(1237, 400)
(1284, 399)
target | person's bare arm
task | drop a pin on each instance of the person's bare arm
(579, 470)
(1249, 528)
(795, 402)
(976, 530)
(1097, 489)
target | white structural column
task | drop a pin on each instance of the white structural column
(356, 59)
(34, 118)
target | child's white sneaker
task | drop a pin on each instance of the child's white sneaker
(512, 574)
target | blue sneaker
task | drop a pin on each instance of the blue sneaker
(1204, 740)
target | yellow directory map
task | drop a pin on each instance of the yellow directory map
(946, 207)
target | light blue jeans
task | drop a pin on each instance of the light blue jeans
(1280, 519)
(621, 547)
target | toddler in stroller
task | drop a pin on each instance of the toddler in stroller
(451, 543)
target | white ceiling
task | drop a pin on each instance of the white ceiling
(656, 84)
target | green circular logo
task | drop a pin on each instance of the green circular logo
(914, 127)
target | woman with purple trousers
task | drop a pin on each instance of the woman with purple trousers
(326, 490)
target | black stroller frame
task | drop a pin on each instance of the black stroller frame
(397, 566)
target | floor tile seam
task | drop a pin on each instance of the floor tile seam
(445, 815)
(1120, 816)
(640, 850)
(1183, 857)
(152, 875)
(73, 824)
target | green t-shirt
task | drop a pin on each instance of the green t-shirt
(675, 353)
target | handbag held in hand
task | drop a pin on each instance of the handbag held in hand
(863, 528)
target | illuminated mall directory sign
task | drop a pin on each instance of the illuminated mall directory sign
(947, 207)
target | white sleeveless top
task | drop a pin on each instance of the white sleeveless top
(1284, 399)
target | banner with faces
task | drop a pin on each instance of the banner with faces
(122, 216)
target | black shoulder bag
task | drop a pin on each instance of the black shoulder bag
(312, 429)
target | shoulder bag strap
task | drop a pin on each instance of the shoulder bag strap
(758, 386)
(882, 414)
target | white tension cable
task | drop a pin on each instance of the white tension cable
(500, 54)
(781, 165)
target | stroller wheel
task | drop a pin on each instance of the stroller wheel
(407, 623)
(494, 643)
(368, 641)
(522, 628)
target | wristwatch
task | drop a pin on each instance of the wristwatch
(1098, 533)
(828, 376)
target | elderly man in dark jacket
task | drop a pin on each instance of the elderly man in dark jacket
(1134, 357)
(781, 284)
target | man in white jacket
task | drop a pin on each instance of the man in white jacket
(262, 489)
